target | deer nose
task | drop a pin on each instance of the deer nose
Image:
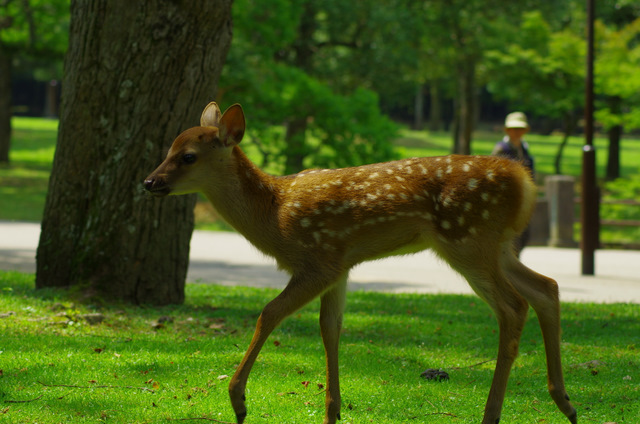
(148, 183)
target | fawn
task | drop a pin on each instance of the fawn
(320, 223)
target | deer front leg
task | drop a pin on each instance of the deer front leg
(331, 314)
(300, 291)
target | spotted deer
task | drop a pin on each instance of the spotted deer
(320, 223)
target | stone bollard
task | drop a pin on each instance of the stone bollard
(539, 224)
(560, 195)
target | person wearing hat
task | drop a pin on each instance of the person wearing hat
(513, 146)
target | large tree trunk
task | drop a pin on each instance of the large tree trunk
(136, 75)
(5, 104)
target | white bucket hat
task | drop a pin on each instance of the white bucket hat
(516, 120)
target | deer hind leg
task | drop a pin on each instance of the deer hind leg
(480, 266)
(542, 293)
(300, 291)
(331, 314)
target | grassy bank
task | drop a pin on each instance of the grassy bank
(64, 361)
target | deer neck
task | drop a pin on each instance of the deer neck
(246, 198)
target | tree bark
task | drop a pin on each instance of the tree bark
(5, 105)
(466, 94)
(435, 110)
(136, 75)
(613, 157)
(615, 134)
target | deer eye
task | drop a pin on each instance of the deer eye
(189, 158)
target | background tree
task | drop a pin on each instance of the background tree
(542, 72)
(283, 65)
(136, 75)
(28, 29)
(617, 82)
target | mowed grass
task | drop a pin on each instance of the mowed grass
(23, 184)
(166, 364)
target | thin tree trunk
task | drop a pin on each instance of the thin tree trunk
(435, 110)
(466, 93)
(613, 158)
(418, 116)
(136, 75)
(5, 105)
(569, 127)
(615, 134)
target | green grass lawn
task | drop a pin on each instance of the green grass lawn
(23, 185)
(165, 364)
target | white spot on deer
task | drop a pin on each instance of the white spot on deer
(399, 178)
(409, 170)
(387, 186)
(472, 230)
(317, 236)
(391, 196)
(466, 167)
(317, 211)
(485, 196)
(336, 183)
(305, 222)
(485, 214)
(472, 184)
(461, 220)
(374, 175)
(445, 224)
(404, 196)
(417, 197)
(467, 206)
(297, 205)
(449, 169)
(423, 170)
(371, 196)
(490, 175)
(389, 171)
(439, 173)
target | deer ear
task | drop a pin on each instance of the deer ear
(210, 115)
(232, 125)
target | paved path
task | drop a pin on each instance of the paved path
(228, 259)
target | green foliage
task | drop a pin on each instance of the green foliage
(617, 64)
(36, 34)
(67, 361)
(266, 72)
(540, 70)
